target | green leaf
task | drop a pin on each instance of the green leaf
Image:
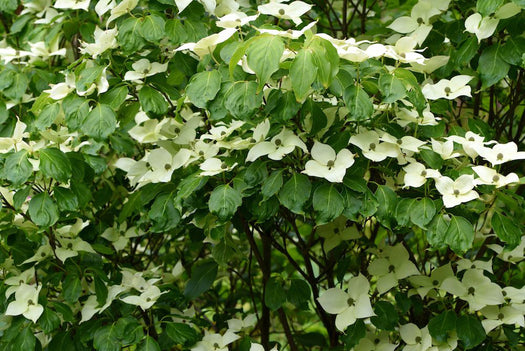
(114, 97)
(386, 316)
(431, 158)
(17, 168)
(470, 331)
(354, 333)
(181, 333)
(358, 102)
(303, 73)
(87, 77)
(295, 193)
(241, 100)
(202, 277)
(263, 56)
(129, 35)
(256, 173)
(100, 122)
(18, 87)
(387, 200)
(272, 184)
(76, 109)
(459, 235)
(47, 116)
(152, 101)
(203, 87)
(105, 339)
(42, 210)
(163, 214)
(274, 294)
(224, 201)
(513, 50)
(403, 211)
(49, 320)
(71, 288)
(440, 325)
(436, 232)
(54, 164)
(20, 197)
(222, 253)
(328, 203)
(466, 51)
(422, 212)
(65, 198)
(101, 291)
(506, 229)
(391, 87)
(152, 28)
(148, 344)
(491, 66)
(326, 59)
(25, 340)
(299, 292)
(488, 7)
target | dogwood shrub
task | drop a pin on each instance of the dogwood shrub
(262, 175)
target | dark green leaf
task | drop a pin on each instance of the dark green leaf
(72, 288)
(148, 344)
(391, 87)
(241, 99)
(100, 122)
(202, 277)
(152, 101)
(203, 87)
(299, 292)
(491, 66)
(354, 333)
(506, 229)
(47, 116)
(358, 102)
(54, 164)
(152, 28)
(224, 201)
(440, 326)
(263, 56)
(459, 235)
(42, 210)
(422, 212)
(295, 193)
(328, 203)
(181, 333)
(386, 316)
(274, 294)
(470, 331)
(303, 73)
(17, 168)
(163, 214)
(272, 184)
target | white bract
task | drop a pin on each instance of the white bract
(350, 305)
(279, 146)
(26, 302)
(336, 232)
(456, 191)
(326, 164)
(416, 174)
(490, 176)
(501, 153)
(72, 4)
(104, 40)
(143, 68)
(448, 89)
(368, 142)
(280, 9)
(416, 339)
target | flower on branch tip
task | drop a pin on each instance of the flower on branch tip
(26, 302)
(279, 9)
(143, 68)
(496, 316)
(457, 191)
(350, 305)
(369, 143)
(416, 174)
(72, 4)
(416, 339)
(489, 176)
(336, 232)
(448, 89)
(326, 164)
(279, 146)
(501, 153)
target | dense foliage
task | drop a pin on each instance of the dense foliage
(253, 175)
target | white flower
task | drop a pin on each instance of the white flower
(290, 34)
(292, 11)
(416, 174)
(206, 45)
(26, 277)
(104, 6)
(418, 24)
(478, 290)
(42, 50)
(515, 255)
(104, 40)
(236, 325)
(448, 89)
(444, 149)
(497, 316)
(501, 153)
(405, 146)
(406, 116)
(125, 6)
(119, 235)
(26, 303)
(375, 342)
(143, 68)
(490, 176)
(456, 191)
(61, 90)
(163, 164)
(416, 339)
(72, 4)
(215, 342)
(280, 145)
(471, 143)
(16, 141)
(391, 268)
(368, 142)
(9, 54)
(146, 299)
(91, 306)
(213, 166)
(404, 51)
(349, 306)
(465, 264)
(326, 164)
(429, 65)
(70, 248)
(235, 19)
(424, 284)
(482, 27)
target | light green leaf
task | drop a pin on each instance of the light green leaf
(55, 164)
(87, 77)
(152, 101)
(129, 35)
(241, 100)
(43, 210)
(328, 203)
(422, 212)
(18, 87)
(106, 339)
(100, 122)
(326, 59)
(387, 201)
(459, 235)
(303, 73)
(358, 102)
(203, 87)
(163, 214)
(263, 56)
(76, 109)
(152, 28)
(391, 87)
(488, 7)
(272, 184)
(224, 201)
(403, 211)
(17, 168)
(295, 193)
(47, 116)
(114, 97)
(25, 340)
(202, 277)
(148, 344)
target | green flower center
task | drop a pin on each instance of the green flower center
(471, 290)
(471, 139)
(30, 302)
(501, 316)
(456, 192)
(435, 282)
(495, 178)
(278, 142)
(224, 165)
(330, 164)
(282, 12)
(447, 91)
(424, 173)
(167, 166)
(417, 339)
(372, 146)
(499, 156)
(420, 20)
(350, 301)
(391, 268)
